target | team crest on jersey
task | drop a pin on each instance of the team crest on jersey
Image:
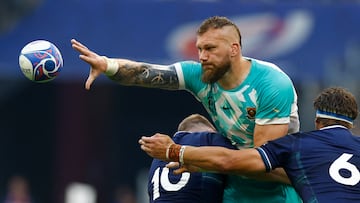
(251, 112)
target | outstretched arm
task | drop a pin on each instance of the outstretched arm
(245, 161)
(127, 72)
(194, 159)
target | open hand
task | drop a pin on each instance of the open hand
(97, 63)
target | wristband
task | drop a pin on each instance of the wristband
(172, 152)
(181, 154)
(112, 66)
(167, 151)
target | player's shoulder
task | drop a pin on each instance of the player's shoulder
(189, 63)
(269, 78)
(341, 133)
(204, 138)
(179, 135)
(266, 68)
(190, 138)
(263, 64)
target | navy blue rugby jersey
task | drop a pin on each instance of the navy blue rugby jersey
(323, 165)
(164, 186)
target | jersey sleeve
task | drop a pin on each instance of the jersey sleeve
(275, 101)
(189, 73)
(276, 153)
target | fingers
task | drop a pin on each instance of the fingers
(146, 139)
(158, 140)
(159, 135)
(77, 45)
(154, 147)
(91, 78)
(145, 149)
(85, 54)
(88, 82)
(145, 146)
(158, 150)
(173, 165)
(97, 63)
(180, 171)
(81, 49)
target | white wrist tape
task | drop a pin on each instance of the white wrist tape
(181, 154)
(112, 66)
(167, 151)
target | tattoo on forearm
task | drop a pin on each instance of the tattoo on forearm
(147, 75)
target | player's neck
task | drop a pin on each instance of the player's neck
(236, 75)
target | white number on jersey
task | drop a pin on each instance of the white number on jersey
(163, 181)
(342, 163)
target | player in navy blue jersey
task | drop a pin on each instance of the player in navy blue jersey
(165, 186)
(323, 165)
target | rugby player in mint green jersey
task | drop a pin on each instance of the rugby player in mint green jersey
(250, 101)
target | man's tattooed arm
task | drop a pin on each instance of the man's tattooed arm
(147, 75)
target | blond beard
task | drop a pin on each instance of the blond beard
(213, 75)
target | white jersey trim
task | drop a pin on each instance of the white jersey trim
(273, 121)
(180, 75)
(266, 159)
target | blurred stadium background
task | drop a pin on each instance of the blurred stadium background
(58, 134)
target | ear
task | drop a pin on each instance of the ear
(235, 49)
(318, 124)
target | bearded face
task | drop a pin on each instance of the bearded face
(211, 72)
(215, 53)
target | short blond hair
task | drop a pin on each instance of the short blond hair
(196, 123)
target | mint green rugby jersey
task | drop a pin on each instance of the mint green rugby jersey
(266, 96)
